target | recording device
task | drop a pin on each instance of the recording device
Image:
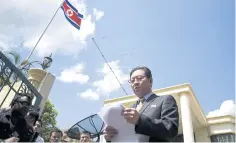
(22, 129)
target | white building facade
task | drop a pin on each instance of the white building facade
(194, 126)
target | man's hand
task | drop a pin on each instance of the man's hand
(12, 139)
(131, 115)
(109, 133)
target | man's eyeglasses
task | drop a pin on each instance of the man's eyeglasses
(138, 78)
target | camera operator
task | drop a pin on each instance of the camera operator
(16, 123)
(37, 128)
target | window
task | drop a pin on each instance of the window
(180, 138)
(223, 138)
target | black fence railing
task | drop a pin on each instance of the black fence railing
(13, 81)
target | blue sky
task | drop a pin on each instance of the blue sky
(180, 41)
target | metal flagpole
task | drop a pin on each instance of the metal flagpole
(44, 31)
(109, 66)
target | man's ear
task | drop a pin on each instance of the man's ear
(151, 80)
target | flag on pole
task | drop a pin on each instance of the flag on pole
(72, 14)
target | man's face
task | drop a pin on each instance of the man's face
(85, 138)
(140, 84)
(21, 102)
(56, 137)
(37, 127)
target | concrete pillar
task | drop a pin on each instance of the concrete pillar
(45, 88)
(186, 117)
(43, 82)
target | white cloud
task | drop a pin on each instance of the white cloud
(98, 13)
(89, 94)
(22, 22)
(74, 74)
(227, 108)
(108, 83)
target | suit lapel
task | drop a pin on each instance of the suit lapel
(148, 102)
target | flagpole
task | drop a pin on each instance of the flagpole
(44, 31)
(109, 66)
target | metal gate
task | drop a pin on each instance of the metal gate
(13, 81)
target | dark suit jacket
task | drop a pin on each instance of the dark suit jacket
(159, 118)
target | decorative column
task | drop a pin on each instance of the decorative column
(186, 118)
(45, 89)
(35, 77)
(43, 82)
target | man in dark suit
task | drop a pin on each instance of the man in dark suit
(156, 118)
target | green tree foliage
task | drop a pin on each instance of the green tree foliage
(48, 118)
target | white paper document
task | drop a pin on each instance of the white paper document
(111, 116)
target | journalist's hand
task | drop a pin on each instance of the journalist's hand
(131, 115)
(109, 133)
(12, 139)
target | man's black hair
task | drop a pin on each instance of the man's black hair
(86, 132)
(56, 130)
(147, 71)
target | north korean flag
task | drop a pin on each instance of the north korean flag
(72, 14)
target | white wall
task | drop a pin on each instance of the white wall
(222, 128)
(202, 135)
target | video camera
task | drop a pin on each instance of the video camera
(23, 128)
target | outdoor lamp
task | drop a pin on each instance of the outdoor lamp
(46, 62)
